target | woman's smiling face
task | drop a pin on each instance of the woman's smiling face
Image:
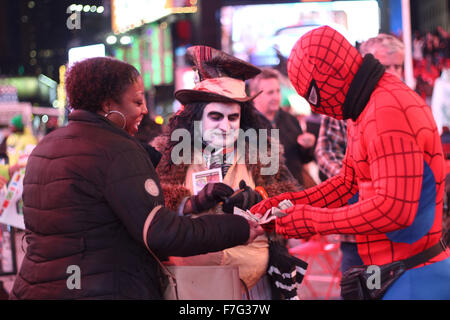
(133, 106)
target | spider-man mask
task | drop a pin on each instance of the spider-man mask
(322, 65)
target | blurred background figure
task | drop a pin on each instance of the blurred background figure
(431, 56)
(417, 49)
(17, 144)
(440, 103)
(148, 129)
(426, 73)
(298, 145)
(20, 142)
(440, 106)
(389, 50)
(445, 139)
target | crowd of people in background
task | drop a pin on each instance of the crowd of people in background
(431, 55)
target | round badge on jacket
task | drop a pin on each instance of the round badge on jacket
(151, 187)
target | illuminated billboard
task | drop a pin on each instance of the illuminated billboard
(41, 88)
(150, 52)
(127, 15)
(256, 32)
(80, 53)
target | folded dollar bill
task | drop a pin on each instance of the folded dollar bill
(270, 215)
(283, 205)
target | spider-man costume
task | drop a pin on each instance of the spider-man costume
(394, 159)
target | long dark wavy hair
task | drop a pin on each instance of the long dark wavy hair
(250, 119)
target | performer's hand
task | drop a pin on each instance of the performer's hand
(210, 196)
(296, 224)
(266, 204)
(244, 198)
(268, 227)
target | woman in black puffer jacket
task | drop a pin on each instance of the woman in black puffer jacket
(93, 202)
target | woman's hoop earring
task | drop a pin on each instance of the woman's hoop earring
(121, 114)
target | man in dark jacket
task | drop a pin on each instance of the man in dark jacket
(298, 145)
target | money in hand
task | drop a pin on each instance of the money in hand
(270, 215)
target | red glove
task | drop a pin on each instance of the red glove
(263, 206)
(268, 227)
(296, 224)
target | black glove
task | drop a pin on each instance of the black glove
(244, 199)
(209, 196)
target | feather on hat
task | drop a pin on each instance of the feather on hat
(221, 77)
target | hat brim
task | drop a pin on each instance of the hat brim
(186, 96)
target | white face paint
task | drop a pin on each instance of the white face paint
(220, 123)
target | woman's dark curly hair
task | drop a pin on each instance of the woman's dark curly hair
(184, 119)
(92, 81)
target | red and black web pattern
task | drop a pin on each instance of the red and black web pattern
(321, 67)
(388, 147)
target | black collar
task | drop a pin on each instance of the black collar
(362, 86)
(88, 116)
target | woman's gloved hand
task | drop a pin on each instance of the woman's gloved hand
(210, 196)
(244, 198)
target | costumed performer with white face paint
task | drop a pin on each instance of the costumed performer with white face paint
(214, 114)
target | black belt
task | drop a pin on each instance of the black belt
(354, 281)
(425, 255)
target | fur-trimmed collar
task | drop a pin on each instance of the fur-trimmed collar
(175, 174)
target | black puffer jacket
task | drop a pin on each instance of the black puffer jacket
(88, 190)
